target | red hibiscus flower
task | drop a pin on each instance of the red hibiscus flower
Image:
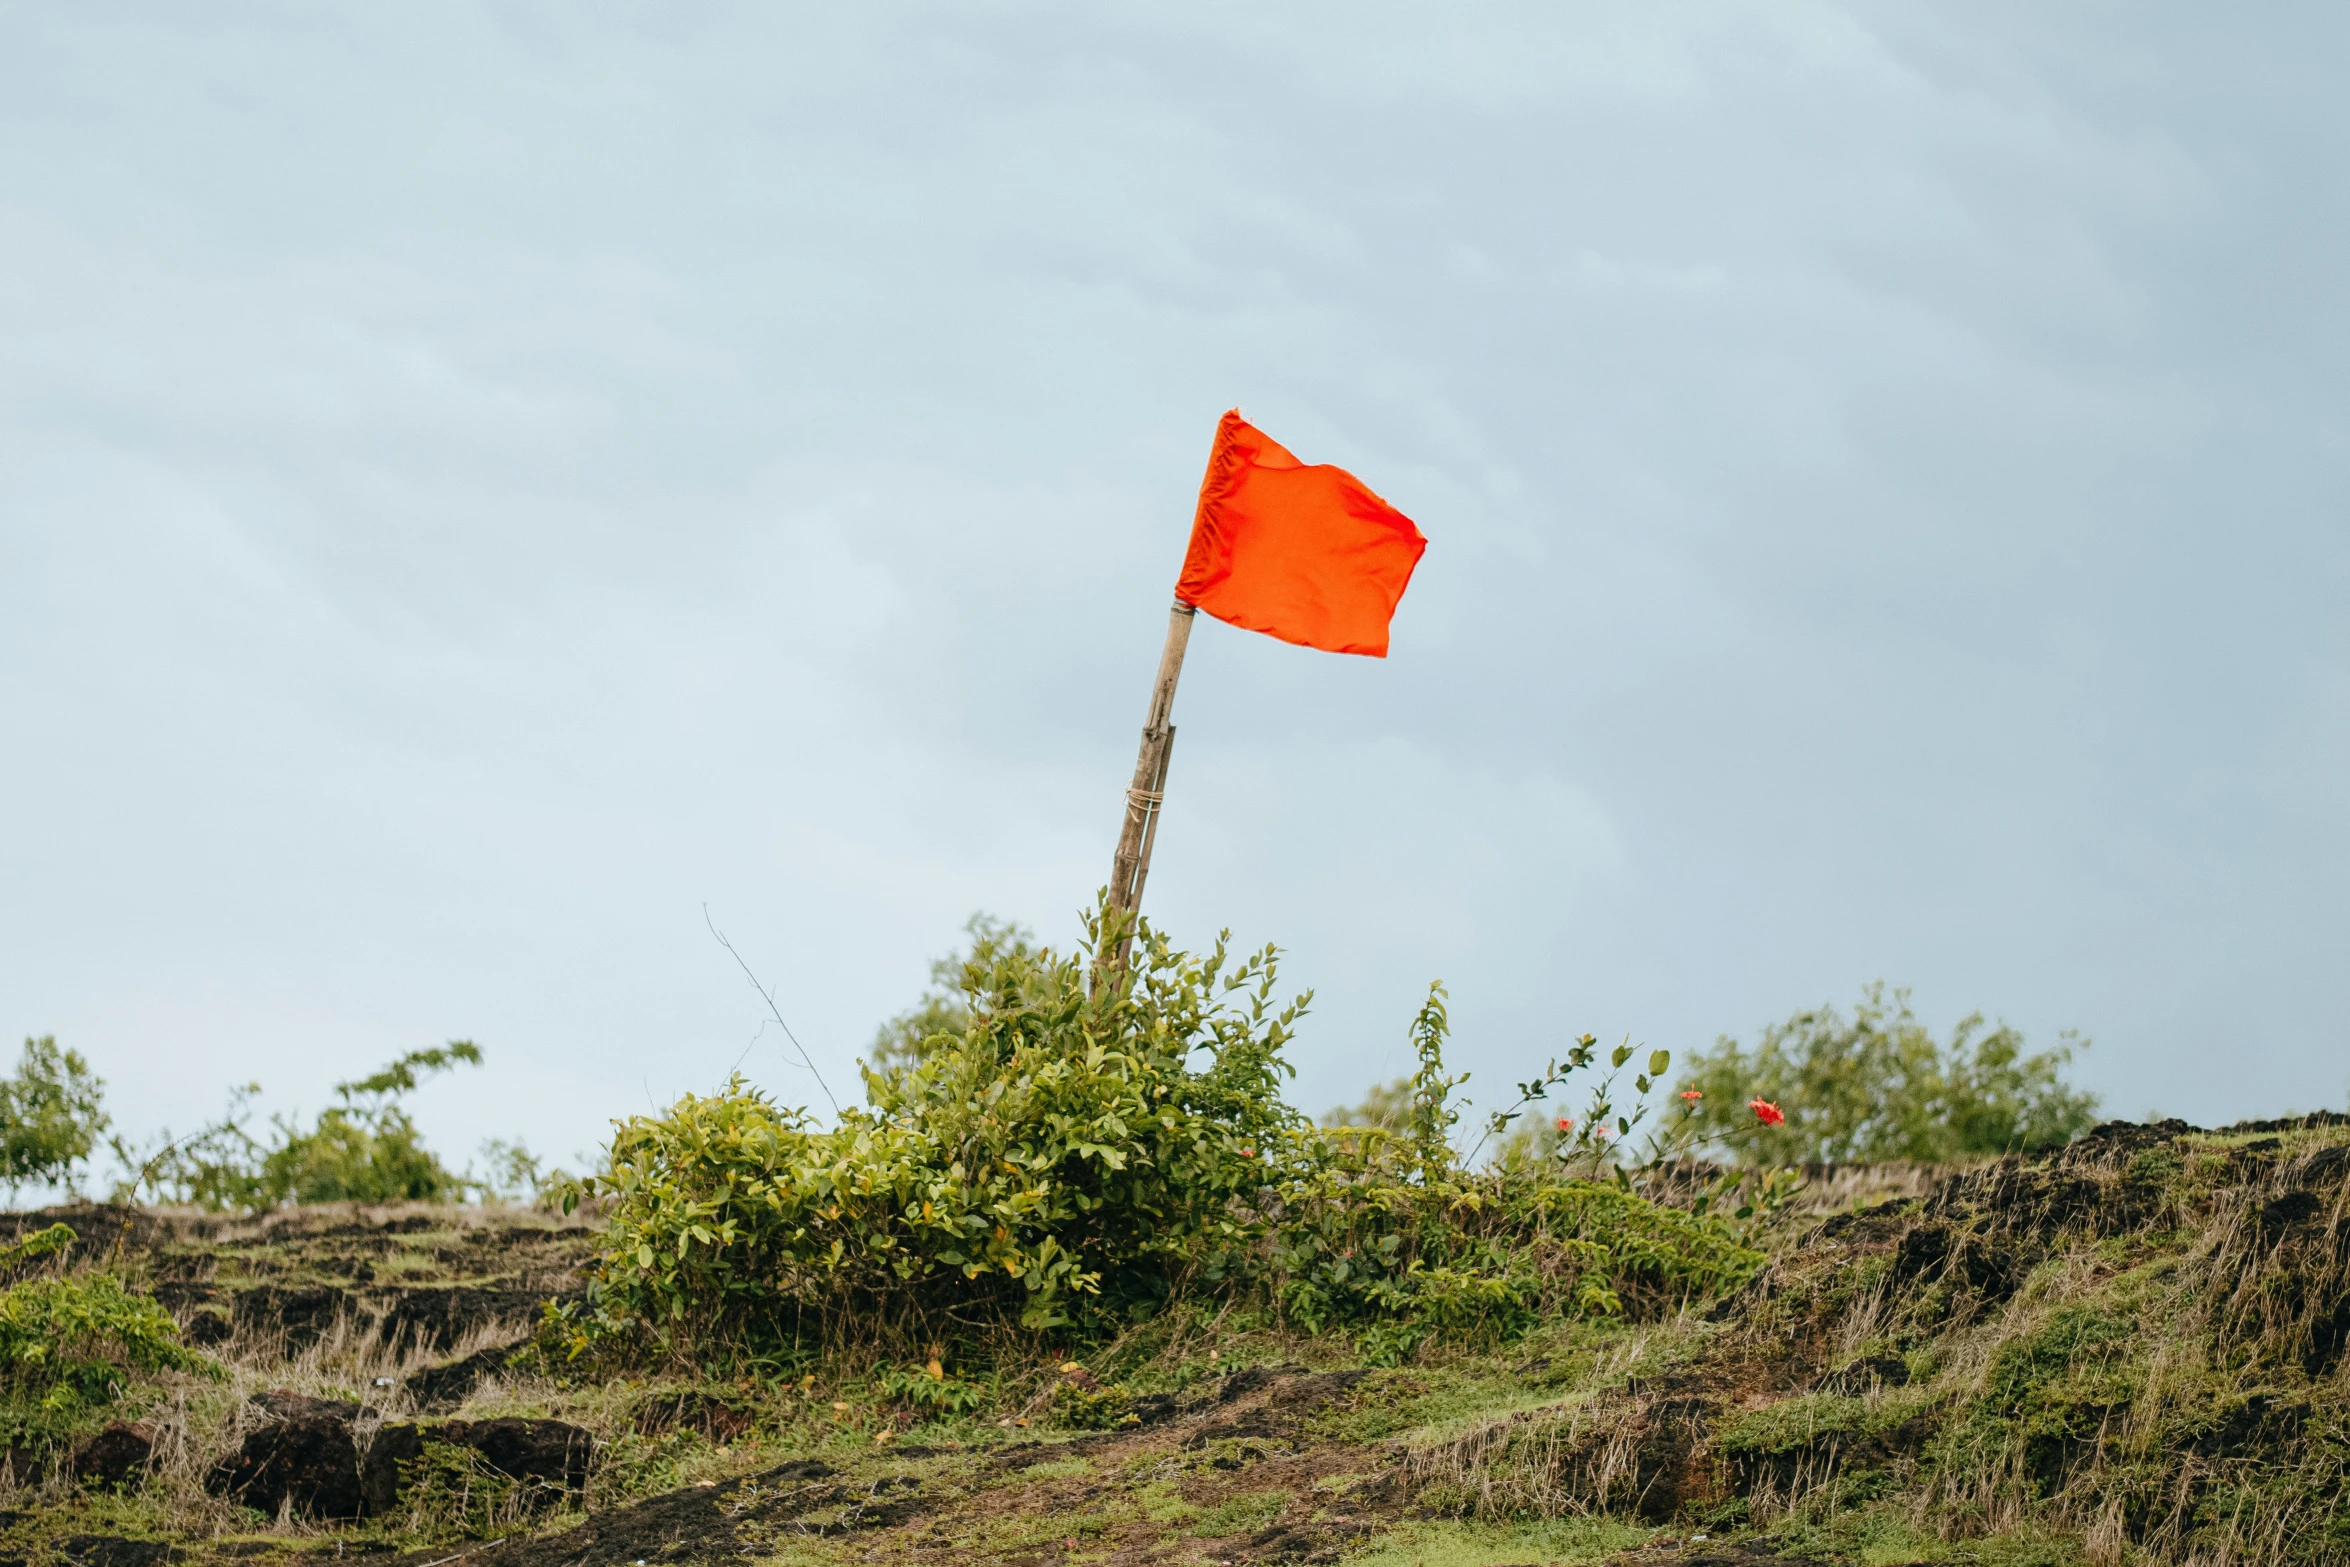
(1566, 1123)
(1692, 1095)
(1766, 1112)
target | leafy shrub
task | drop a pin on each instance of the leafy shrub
(1879, 1086)
(52, 1113)
(71, 1344)
(512, 1173)
(1090, 1406)
(365, 1149)
(942, 1011)
(1385, 1106)
(928, 1390)
(1060, 1156)
(47, 1241)
(1087, 1148)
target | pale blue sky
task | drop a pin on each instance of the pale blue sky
(478, 483)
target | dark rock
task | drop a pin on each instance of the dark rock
(547, 1452)
(1154, 1409)
(1932, 1252)
(116, 1456)
(1666, 1457)
(2287, 1211)
(2327, 1164)
(2329, 1337)
(208, 1330)
(2292, 1123)
(380, 1480)
(1315, 1392)
(184, 1295)
(441, 1318)
(102, 1550)
(1925, 1246)
(305, 1456)
(1878, 1222)
(2253, 1427)
(304, 1315)
(1249, 1379)
(1858, 1378)
(438, 1388)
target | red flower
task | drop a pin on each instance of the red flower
(1566, 1123)
(1766, 1112)
(1692, 1095)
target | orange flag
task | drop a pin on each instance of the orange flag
(1306, 554)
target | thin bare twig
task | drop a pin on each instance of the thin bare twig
(768, 996)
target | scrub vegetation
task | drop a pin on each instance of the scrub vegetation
(1076, 1284)
(1085, 1151)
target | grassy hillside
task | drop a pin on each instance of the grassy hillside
(2130, 1350)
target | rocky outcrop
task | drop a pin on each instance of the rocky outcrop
(546, 1453)
(303, 1458)
(118, 1456)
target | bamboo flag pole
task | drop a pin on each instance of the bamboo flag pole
(1132, 864)
(1304, 553)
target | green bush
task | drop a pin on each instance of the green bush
(52, 1113)
(1061, 1155)
(928, 1390)
(942, 1012)
(365, 1149)
(1088, 1406)
(1080, 1154)
(1880, 1086)
(1387, 1106)
(71, 1344)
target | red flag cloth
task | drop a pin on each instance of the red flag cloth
(1304, 553)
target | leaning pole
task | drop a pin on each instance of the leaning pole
(1304, 552)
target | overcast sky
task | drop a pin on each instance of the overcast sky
(480, 483)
